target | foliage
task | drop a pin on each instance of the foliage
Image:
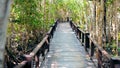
(74, 9)
(111, 48)
(29, 23)
(118, 49)
(31, 19)
(109, 2)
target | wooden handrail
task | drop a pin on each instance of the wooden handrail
(105, 53)
(102, 54)
(42, 45)
(33, 53)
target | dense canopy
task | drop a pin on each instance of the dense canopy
(30, 21)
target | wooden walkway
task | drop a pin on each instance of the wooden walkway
(66, 51)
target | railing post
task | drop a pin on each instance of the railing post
(48, 46)
(49, 37)
(99, 59)
(70, 23)
(55, 24)
(73, 27)
(92, 49)
(68, 19)
(36, 58)
(82, 37)
(29, 63)
(87, 41)
(77, 31)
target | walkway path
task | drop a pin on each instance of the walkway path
(66, 50)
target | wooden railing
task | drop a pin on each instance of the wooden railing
(37, 56)
(104, 60)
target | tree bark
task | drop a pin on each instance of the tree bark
(4, 13)
(94, 24)
(104, 20)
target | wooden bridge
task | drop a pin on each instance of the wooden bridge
(67, 46)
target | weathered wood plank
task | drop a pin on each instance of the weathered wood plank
(66, 51)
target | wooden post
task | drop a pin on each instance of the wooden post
(4, 13)
(99, 59)
(86, 41)
(92, 49)
(82, 37)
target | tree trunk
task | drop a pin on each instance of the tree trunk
(4, 12)
(94, 24)
(104, 23)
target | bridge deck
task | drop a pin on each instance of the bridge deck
(66, 50)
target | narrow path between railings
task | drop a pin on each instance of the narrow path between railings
(66, 51)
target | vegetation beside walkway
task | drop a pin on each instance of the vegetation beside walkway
(31, 19)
